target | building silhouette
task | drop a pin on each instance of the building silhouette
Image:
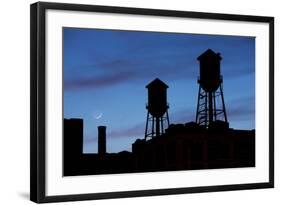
(205, 144)
(101, 141)
(72, 145)
(189, 146)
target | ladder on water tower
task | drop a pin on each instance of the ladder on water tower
(201, 115)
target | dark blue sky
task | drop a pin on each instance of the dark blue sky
(106, 71)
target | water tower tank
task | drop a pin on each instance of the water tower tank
(157, 98)
(210, 76)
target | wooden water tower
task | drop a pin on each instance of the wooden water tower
(157, 109)
(210, 106)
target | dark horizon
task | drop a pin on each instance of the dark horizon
(182, 147)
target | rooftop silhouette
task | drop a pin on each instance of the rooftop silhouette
(207, 143)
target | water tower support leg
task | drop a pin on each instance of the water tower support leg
(210, 107)
(161, 122)
(215, 107)
(197, 120)
(222, 98)
(157, 127)
(152, 133)
(146, 126)
(168, 118)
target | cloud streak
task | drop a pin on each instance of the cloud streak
(133, 131)
(116, 57)
(116, 72)
(241, 109)
(122, 71)
(97, 81)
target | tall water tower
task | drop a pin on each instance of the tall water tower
(157, 109)
(210, 105)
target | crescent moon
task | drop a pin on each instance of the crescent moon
(99, 116)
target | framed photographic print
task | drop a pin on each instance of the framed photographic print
(129, 102)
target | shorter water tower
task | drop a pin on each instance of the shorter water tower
(157, 109)
(210, 106)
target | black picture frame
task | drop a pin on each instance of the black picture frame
(38, 101)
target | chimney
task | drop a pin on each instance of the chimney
(101, 141)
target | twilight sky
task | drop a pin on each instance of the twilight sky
(106, 71)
